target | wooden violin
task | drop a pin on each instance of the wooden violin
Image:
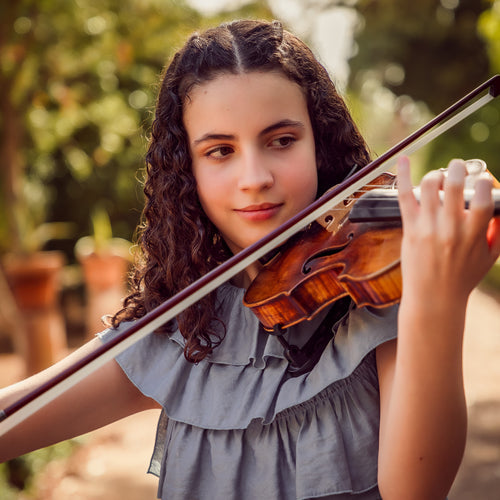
(352, 250)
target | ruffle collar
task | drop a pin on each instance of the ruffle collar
(246, 341)
(246, 378)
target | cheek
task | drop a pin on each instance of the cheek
(302, 188)
(311, 189)
(310, 170)
(305, 180)
(209, 192)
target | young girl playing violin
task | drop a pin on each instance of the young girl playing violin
(248, 131)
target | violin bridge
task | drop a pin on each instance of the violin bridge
(333, 218)
(326, 219)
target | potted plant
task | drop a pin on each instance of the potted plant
(105, 261)
(34, 279)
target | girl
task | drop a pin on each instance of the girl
(248, 131)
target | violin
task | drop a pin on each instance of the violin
(351, 250)
(18, 411)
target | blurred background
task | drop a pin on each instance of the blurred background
(78, 80)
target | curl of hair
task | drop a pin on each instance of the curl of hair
(178, 242)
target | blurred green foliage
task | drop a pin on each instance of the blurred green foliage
(19, 474)
(77, 91)
(435, 52)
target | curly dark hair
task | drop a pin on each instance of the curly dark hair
(178, 242)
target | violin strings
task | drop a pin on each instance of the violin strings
(365, 189)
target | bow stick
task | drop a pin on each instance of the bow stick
(26, 406)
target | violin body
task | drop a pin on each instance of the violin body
(331, 259)
(352, 250)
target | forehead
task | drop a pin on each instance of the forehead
(231, 100)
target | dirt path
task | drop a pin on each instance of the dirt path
(111, 465)
(113, 461)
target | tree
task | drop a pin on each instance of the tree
(434, 52)
(77, 87)
(489, 29)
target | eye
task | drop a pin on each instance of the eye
(283, 141)
(219, 152)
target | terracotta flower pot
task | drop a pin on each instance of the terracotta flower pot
(102, 272)
(105, 276)
(35, 283)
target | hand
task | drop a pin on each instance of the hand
(446, 249)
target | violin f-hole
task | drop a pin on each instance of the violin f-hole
(327, 252)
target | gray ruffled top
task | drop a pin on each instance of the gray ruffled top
(238, 426)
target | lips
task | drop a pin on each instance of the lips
(259, 212)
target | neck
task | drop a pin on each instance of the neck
(245, 278)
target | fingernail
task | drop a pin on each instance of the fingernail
(456, 171)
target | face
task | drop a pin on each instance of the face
(252, 149)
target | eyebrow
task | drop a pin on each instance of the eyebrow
(227, 137)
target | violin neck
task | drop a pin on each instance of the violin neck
(381, 205)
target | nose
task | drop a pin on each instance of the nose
(254, 172)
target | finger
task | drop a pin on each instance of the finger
(454, 188)
(407, 202)
(483, 195)
(481, 206)
(430, 201)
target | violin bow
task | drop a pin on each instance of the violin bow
(30, 403)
